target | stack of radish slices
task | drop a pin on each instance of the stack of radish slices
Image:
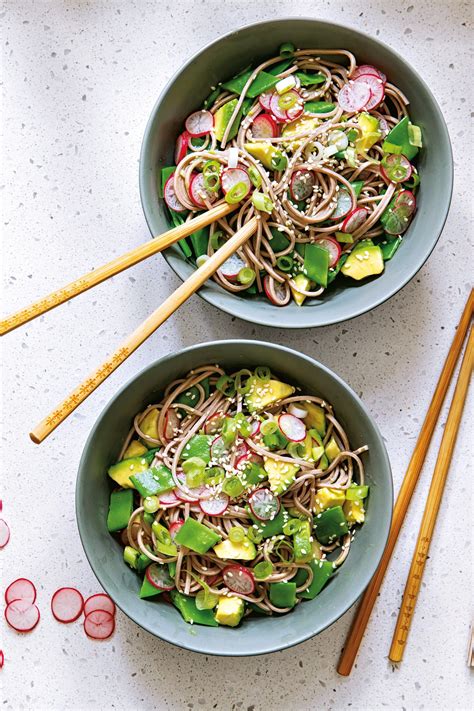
(67, 605)
(364, 91)
(21, 613)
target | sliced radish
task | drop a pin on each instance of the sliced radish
(297, 109)
(199, 192)
(279, 294)
(99, 624)
(396, 168)
(297, 411)
(383, 123)
(398, 219)
(170, 196)
(279, 113)
(21, 589)
(182, 143)
(4, 533)
(407, 199)
(368, 69)
(2, 658)
(22, 615)
(232, 176)
(264, 100)
(172, 423)
(332, 246)
(354, 96)
(169, 498)
(232, 266)
(159, 576)
(174, 527)
(199, 123)
(255, 428)
(343, 205)
(214, 423)
(184, 494)
(376, 88)
(67, 604)
(239, 579)
(293, 428)
(242, 450)
(99, 601)
(218, 449)
(354, 219)
(264, 504)
(264, 126)
(216, 505)
(302, 184)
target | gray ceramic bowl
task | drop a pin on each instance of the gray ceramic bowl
(225, 57)
(262, 634)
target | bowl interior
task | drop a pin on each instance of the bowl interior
(260, 634)
(221, 60)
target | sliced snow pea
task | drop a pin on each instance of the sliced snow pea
(189, 612)
(329, 525)
(283, 594)
(319, 107)
(196, 536)
(120, 509)
(389, 246)
(322, 571)
(316, 264)
(155, 480)
(263, 82)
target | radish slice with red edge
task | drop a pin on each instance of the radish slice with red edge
(4, 533)
(398, 219)
(297, 109)
(396, 168)
(353, 97)
(264, 504)
(332, 246)
(279, 294)
(354, 219)
(255, 428)
(2, 659)
(199, 123)
(169, 498)
(293, 428)
(22, 615)
(264, 100)
(376, 88)
(264, 126)
(170, 196)
(199, 192)
(182, 143)
(159, 576)
(174, 527)
(20, 589)
(302, 184)
(172, 423)
(99, 624)
(343, 204)
(218, 449)
(67, 604)
(215, 505)
(232, 266)
(214, 423)
(368, 69)
(279, 113)
(239, 579)
(407, 199)
(99, 601)
(232, 176)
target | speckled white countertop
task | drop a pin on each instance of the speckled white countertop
(79, 80)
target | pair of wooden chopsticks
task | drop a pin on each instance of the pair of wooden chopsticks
(406, 492)
(163, 312)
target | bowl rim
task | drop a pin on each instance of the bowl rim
(362, 581)
(353, 312)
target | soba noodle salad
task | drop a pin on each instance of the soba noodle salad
(321, 150)
(237, 494)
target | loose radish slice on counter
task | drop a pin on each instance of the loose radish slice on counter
(264, 126)
(22, 615)
(199, 192)
(232, 176)
(376, 88)
(354, 96)
(158, 575)
(216, 505)
(302, 184)
(99, 624)
(99, 601)
(169, 498)
(396, 168)
(279, 294)
(354, 219)
(182, 143)
(292, 427)
(232, 266)
(21, 589)
(368, 69)
(332, 246)
(264, 504)
(2, 659)
(407, 199)
(264, 100)
(297, 411)
(67, 604)
(4, 533)
(170, 196)
(343, 205)
(239, 579)
(174, 528)
(172, 423)
(199, 123)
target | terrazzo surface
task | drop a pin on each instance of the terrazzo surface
(79, 80)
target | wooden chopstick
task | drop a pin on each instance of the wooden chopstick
(407, 488)
(440, 473)
(163, 312)
(129, 259)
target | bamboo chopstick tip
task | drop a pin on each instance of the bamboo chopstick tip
(34, 438)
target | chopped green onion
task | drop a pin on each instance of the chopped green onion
(243, 424)
(237, 193)
(212, 182)
(263, 570)
(206, 600)
(296, 449)
(286, 101)
(233, 487)
(130, 556)
(287, 49)
(240, 386)
(246, 276)
(262, 202)
(292, 526)
(278, 160)
(229, 431)
(237, 534)
(255, 176)
(263, 372)
(284, 546)
(217, 239)
(414, 135)
(226, 385)
(214, 475)
(413, 182)
(352, 134)
(202, 259)
(151, 504)
(254, 535)
(268, 427)
(285, 263)
(162, 534)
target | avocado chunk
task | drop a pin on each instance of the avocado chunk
(263, 393)
(243, 550)
(370, 132)
(280, 474)
(327, 498)
(122, 471)
(332, 449)
(230, 610)
(264, 152)
(302, 282)
(315, 419)
(222, 118)
(354, 511)
(134, 449)
(149, 426)
(366, 259)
